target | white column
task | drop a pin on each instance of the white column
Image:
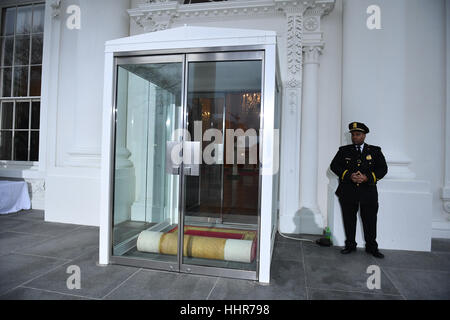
(311, 220)
(291, 118)
(446, 188)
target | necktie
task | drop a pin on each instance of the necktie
(359, 149)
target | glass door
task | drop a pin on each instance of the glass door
(146, 183)
(187, 169)
(220, 196)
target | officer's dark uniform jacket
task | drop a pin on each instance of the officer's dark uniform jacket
(371, 163)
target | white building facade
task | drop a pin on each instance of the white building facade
(340, 61)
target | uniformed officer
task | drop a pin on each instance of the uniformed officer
(359, 166)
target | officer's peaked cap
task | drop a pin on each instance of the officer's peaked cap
(358, 126)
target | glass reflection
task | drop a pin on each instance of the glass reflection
(221, 202)
(219, 198)
(20, 146)
(38, 17)
(8, 21)
(6, 79)
(24, 14)
(22, 51)
(20, 81)
(145, 190)
(36, 49)
(6, 52)
(5, 144)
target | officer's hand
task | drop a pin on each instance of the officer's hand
(361, 178)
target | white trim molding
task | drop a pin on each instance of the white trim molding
(159, 15)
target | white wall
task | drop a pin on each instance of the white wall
(394, 81)
(73, 70)
(72, 98)
(330, 87)
(425, 87)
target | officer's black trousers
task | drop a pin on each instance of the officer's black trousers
(369, 222)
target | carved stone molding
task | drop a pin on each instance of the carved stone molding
(293, 101)
(447, 206)
(445, 196)
(302, 20)
(312, 53)
(294, 50)
(56, 8)
(156, 15)
(36, 189)
(312, 23)
(154, 22)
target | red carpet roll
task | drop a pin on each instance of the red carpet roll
(198, 246)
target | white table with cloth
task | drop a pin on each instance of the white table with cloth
(14, 196)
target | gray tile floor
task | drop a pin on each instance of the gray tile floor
(34, 256)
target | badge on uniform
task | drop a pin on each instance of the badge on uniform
(369, 157)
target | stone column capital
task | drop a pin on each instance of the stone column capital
(312, 53)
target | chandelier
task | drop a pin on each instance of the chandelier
(251, 101)
(206, 115)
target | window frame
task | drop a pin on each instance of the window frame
(5, 163)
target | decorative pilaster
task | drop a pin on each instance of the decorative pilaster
(291, 118)
(298, 193)
(446, 188)
(311, 218)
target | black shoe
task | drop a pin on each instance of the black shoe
(347, 250)
(376, 253)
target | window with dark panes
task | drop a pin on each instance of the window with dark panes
(21, 41)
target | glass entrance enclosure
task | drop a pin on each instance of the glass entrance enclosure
(190, 175)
